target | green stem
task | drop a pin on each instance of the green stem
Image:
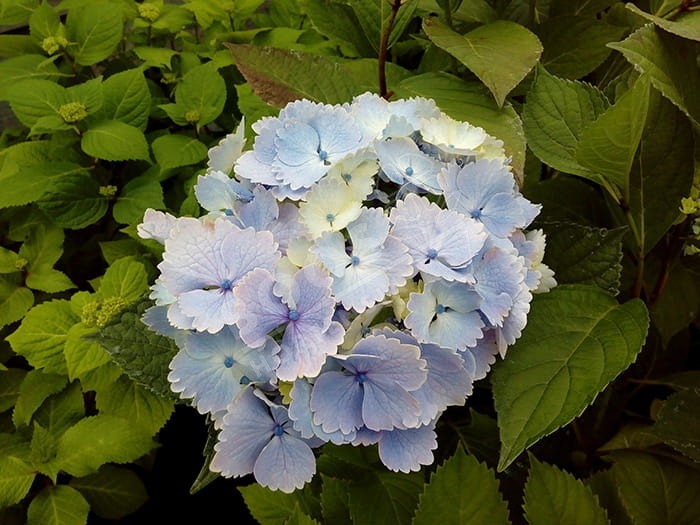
(383, 49)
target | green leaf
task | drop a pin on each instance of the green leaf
(580, 7)
(603, 485)
(25, 67)
(202, 91)
(96, 30)
(159, 57)
(462, 490)
(574, 45)
(299, 518)
(45, 22)
(136, 196)
(471, 102)
(384, 497)
(12, 46)
(97, 440)
(126, 278)
(373, 17)
(82, 355)
(112, 492)
(678, 422)
(15, 299)
(16, 478)
(334, 501)
(555, 115)
(8, 261)
(205, 475)
(126, 399)
(34, 390)
(115, 140)
(686, 25)
(74, 201)
(32, 99)
(585, 255)
(553, 496)
(337, 21)
(500, 53)
(656, 491)
(43, 449)
(10, 382)
(268, 507)
(670, 63)
(42, 334)
(58, 505)
(609, 144)
(127, 98)
(141, 353)
(30, 183)
(61, 411)
(43, 248)
(577, 340)
(280, 76)
(679, 302)
(174, 151)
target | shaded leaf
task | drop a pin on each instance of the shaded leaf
(384, 497)
(686, 24)
(30, 183)
(58, 505)
(135, 197)
(15, 299)
(112, 492)
(61, 411)
(34, 390)
(10, 383)
(74, 201)
(678, 422)
(334, 501)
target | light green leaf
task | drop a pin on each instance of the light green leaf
(553, 496)
(74, 201)
(462, 490)
(43, 449)
(45, 22)
(81, 355)
(58, 505)
(42, 334)
(15, 299)
(112, 492)
(136, 196)
(686, 25)
(115, 140)
(16, 11)
(279, 76)
(34, 390)
(554, 117)
(16, 478)
(141, 353)
(97, 440)
(655, 490)
(373, 17)
(678, 422)
(61, 411)
(96, 30)
(384, 497)
(25, 67)
(126, 278)
(299, 518)
(12, 46)
(43, 248)
(471, 102)
(126, 399)
(202, 91)
(585, 255)
(609, 144)
(174, 151)
(8, 261)
(268, 507)
(160, 57)
(205, 475)
(10, 382)
(574, 45)
(127, 98)
(556, 369)
(32, 99)
(670, 63)
(500, 53)
(30, 183)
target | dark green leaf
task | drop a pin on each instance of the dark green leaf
(30, 183)
(337, 21)
(96, 30)
(112, 492)
(334, 501)
(15, 299)
(462, 490)
(74, 201)
(115, 140)
(578, 339)
(679, 302)
(58, 505)
(678, 422)
(384, 497)
(202, 94)
(206, 476)
(10, 382)
(34, 390)
(136, 196)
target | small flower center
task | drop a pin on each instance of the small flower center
(432, 253)
(354, 260)
(477, 213)
(278, 430)
(245, 380)
(226, 285)
(440, 309)
(330, 217)
(228, 212)
(322, 154)
(228, 362)
(293, 315)
(408, 171)
(347, 177)
(361, 377)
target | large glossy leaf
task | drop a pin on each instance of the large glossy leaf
(462, 490)
(127, 98)
(500, 53)
(578, 339)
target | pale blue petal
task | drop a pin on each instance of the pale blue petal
(387, 406)
(156, 318)
(251, 168)
(336, 402)
(499, 276)
(406, 450)
(311, 297)
(217, 191)
(259, 211)
(330, 250)
(286, 463)
(369, 231)
(304, 349)
(245, 250)
(366, 437)
(247, 429)
(360, 287)
(482, 356)
(223, 156)
(338, 134)
(398, 362)
(261, 311)
(156, 225)
(402, 161)
(300, 413)
(210, 310)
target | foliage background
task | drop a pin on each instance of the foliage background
(111, 106)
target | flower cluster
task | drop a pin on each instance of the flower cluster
(357, 270)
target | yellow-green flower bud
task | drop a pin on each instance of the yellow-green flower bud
(148, 11)
(73, 112)
(98, 313)
(192, 116)
(52, 44)
(108, 191)
(689, 205)
(21, 264)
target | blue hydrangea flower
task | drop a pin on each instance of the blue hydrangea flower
(376, 264)
(479, 358)
(217, 192)
(403, 163)
(441, 242)
(258, 438)
(402, 450)
(486, 191)
(156, 225)
(211, 369)
(373, 389)
(530, 245)
(202, 263)
(451, 136)
(446, 314)
(306, 308)
(224, 155)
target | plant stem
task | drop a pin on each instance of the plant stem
(383, 48)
